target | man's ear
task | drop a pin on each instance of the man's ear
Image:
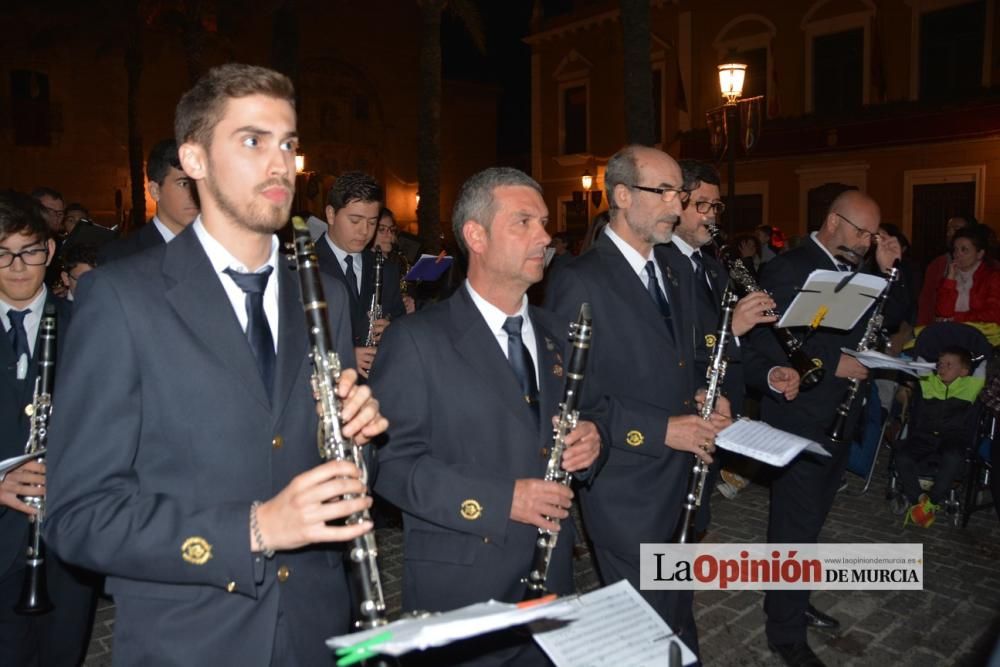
(193, 160)
(330, 213)
(51, 245)
(475, 236)
(623, 196)
(154, 191)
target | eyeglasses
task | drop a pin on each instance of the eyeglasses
(60, 212)
(666, 194)
(872, 236)
(386, 229)
(31, 257)
(704, 207)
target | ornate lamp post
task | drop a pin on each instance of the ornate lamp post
(732, 74)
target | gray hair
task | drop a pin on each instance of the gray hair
(475, 199)
(622, 169)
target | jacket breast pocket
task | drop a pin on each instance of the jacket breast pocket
(150, 589)
(455, 548)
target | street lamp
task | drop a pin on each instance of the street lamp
(300, 163)
(587, 180)
(732, 74)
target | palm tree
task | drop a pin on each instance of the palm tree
(639, 126)
(429, 117)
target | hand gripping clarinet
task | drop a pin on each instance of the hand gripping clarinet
(34, 592)
(579, 335)
(715, 376)
(331, 442)
(809, 372)
(375, 307)
(870, 340)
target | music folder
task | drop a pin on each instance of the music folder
(833, 299)
(429, 268)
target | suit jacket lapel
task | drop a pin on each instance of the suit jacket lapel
(625, 282)
(292, 335)
(550, 374)
(678, 277)
(367, 277)
(477, 345)
(196, 294)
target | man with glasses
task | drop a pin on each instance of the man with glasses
(53, 209)
(641, 368)
(802, 493)
(77, 260)
(58, 637)
(386, 234)
(709, 280)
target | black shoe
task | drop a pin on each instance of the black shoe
(817, 619)
(797, 655)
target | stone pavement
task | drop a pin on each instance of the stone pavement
(955, 620)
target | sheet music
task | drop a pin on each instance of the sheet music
(832, 299)
(765, 443)
(873, 359)
(611, 626)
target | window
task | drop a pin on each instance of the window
(838, 71)
(951, 51)
(573, 103)
(30, 108)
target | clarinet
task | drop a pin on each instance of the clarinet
(715, 375)
(34, 598)
(375, 306)
(329, 438)
(870, 340)
(810, 374)
(579, 335)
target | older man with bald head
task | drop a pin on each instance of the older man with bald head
(641, 368)
(803, 492)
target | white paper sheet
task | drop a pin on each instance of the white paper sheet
(840, 308)
(613, 627)
(765, 443)
(873, 359)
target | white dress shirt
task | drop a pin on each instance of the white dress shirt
(637, 261)
(31, 323)
(221, 259)
(165, 232)
(495, 319)
(342, 258)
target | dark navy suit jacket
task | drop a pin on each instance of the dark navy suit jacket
(643, 375)
(164, 436)
(460, 434)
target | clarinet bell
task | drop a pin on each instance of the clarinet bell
(34, 599)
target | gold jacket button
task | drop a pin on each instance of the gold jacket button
(277, 442)
(284, 573)
(486, 540)
(231, 586)
(681, 363)
(687, 403)
(545, 452)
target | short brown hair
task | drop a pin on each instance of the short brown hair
(201, 108)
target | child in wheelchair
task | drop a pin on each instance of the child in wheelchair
(942, 426)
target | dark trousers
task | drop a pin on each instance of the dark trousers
(801, 497)
(56, 639)
(915, 450)
(674, 607)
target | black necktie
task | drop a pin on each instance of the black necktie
(699, 275)
(18, 336)
(843, 267)
(352, 278)
(520, 361)
(258, 331)
(653, 287)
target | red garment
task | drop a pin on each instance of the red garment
(984, 297)
(929, 291)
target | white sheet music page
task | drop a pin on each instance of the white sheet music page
(765, 443)
(611, 626)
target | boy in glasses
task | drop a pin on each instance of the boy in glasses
(58, 637)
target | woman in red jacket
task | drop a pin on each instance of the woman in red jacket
(970, 291)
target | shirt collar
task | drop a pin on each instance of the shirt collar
(836, 262)
(165, 232)
(632, 256)
(36, 306)
(495, 317)
(221, 259)
(682, 245)
(341, 254)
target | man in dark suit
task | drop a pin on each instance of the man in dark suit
(642, 365)
(709, 279)
(207, 411)
(176, 207)
(803, 492)
(60, 636)
(352, 213)
(471, 385)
